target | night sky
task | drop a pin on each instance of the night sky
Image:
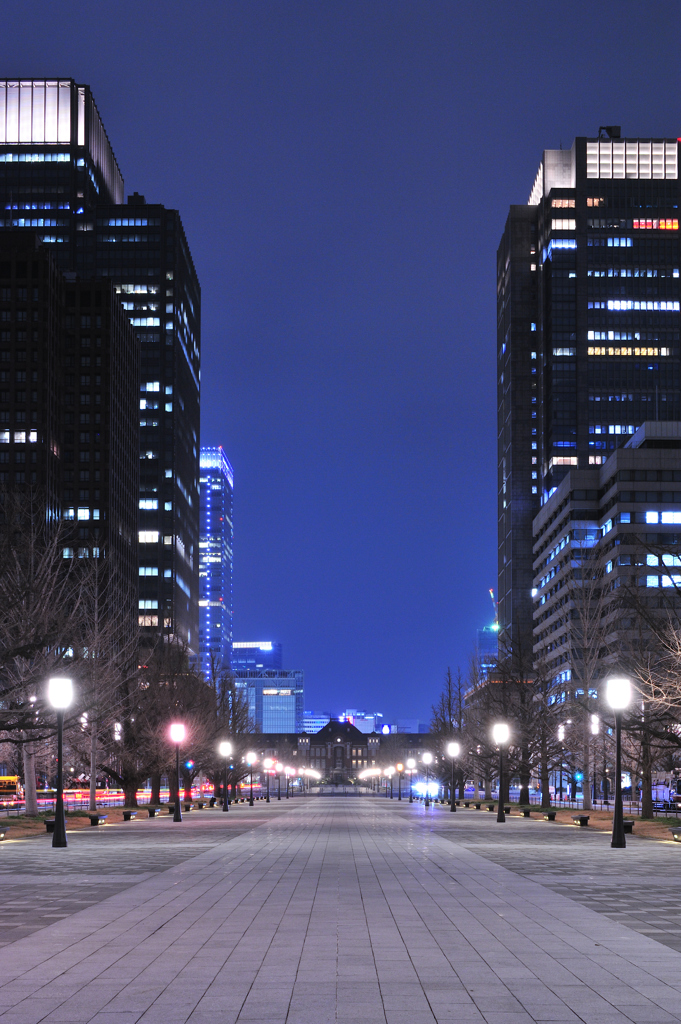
(343, 171)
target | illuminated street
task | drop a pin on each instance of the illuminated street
(340, 910)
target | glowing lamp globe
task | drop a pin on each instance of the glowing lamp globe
(177, 732)
(427, 758)
(411, 763)
(225, 749)
(267, 763)
(618, 692)
(251, 758)
(453, 749)
(501, 733)
(59, 692)
(279, 767)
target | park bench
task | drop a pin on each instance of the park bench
(466, 803)
(549, 815)
(49, 824)
(628, 826)
(526, 811)
(153, 811)
(507, 808)
(200, 804)
(581, 819)
(477, 806)
(95, 819)
(676, 833)
(129, 815)
(188, 807)
(490, 807)
(212, 802)
(4, 829)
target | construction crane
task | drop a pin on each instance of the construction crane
(496, 609)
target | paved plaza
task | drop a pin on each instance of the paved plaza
(331, 909)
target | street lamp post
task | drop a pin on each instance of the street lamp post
(60, 695)
(500, 734)
(250, 761)
(453, 750)
(279, 769)
(287, 772)
(427, 760)
(400, 769)
(226, 752)
(411, 764)
(267, 765)
(177, 734)
(618, 695)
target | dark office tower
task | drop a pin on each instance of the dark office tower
(69, 433)
(59, 177)
(215, 561)
(143, 250)
(588, 330)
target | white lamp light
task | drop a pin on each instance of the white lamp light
(500, 733)
(618, 692)
(251, 758)
(267, 763)
(177, 732)
(411, 764)
(59, 691)
(225, 749)
(427, 758)
(279, 767)
(453, 749)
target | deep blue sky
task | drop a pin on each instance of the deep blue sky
(344, 169)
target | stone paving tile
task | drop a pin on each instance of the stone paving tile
(345, 912)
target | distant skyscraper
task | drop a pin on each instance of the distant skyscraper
(588, 335)
(487, 650)
(59, 179)
(276, 698)
(215, 561)
(253, 655)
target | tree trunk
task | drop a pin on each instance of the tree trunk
(30, 791)
(488, 787)
(155, 788)
(586, 767)
(130, 792)
(93, 766)
(525, 777)
(646, 777)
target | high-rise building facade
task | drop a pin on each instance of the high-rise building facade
(59, 179)
(69, 430)
(588, 328)
(276, 698)
(215, 561)
(254, 655)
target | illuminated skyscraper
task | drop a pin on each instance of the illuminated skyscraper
(588, 331)
(215, 561)
(59, 179)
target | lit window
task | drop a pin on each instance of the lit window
(652, 517)
(83, 513)
(148, 503)
(148, 570)
(148, 536)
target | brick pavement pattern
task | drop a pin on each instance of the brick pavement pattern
(334, 910)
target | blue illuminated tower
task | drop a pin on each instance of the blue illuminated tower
(215, 561)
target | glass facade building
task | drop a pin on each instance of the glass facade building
(253, 655)
(276, 698)
(588, 331)
(215, 561)
(59, 180)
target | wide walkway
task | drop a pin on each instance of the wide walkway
(326, 910)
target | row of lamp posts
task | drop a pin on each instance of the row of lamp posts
(618, 695)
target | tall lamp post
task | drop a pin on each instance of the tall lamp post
(453, 749)
(288, 772)
(177, 734)
(500, 735)
(279, 769)
(618, 696)
(226, 752)
(250, 761)
(60, 695)
(267, 765)
(427, 760)
(411, 764)
(400, 769)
